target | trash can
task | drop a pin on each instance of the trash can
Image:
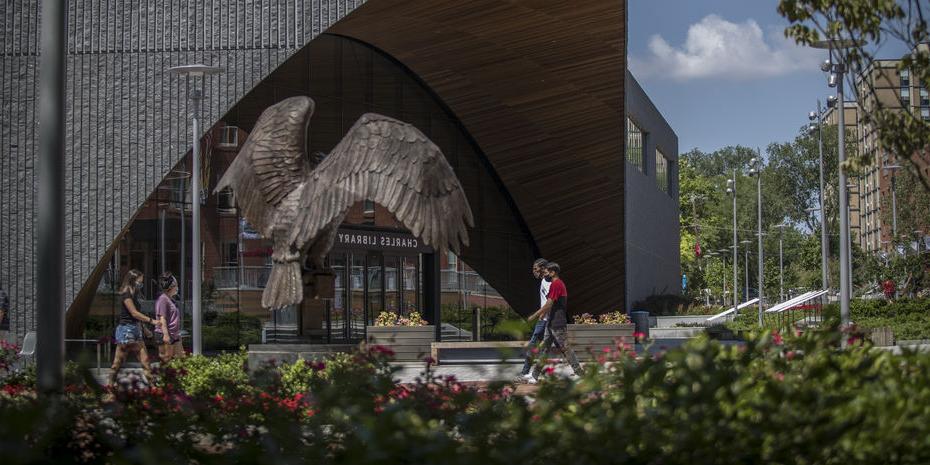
(641, 321)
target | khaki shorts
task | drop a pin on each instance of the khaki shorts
(169, 352)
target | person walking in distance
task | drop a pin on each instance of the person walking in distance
(168, 320)
(556, 310)
(128, 332)
(539, 330)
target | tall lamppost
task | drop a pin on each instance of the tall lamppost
(894, 200)
(837, 70)
(920, 238)
(755, 170)
(711, 255)
(723, 288)
(731, 189)
(195, 93)
(723, 255)
(746, 267)
(824, 237)
(50, 169)
(781, 265)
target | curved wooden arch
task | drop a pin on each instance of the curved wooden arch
(539, 86)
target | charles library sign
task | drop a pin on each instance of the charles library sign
(380, 240)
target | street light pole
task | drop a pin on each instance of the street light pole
(781, 266)
(196, 96)
(50, 288)
(824, 237)
(756, 170)
(837, 70)
(746, 267)
(731, 189)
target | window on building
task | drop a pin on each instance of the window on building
(226, 201)
(180, 191)
(924, 97)
(925, 114)
(662, 165)
(230, 254)
(369, 212)
(905, 78)
(453, 261)
(905, 96)
(635, 141)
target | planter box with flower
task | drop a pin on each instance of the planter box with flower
(590, 335)
(409, 337)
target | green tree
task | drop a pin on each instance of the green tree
(901, 131)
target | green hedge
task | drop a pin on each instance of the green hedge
(907, 318)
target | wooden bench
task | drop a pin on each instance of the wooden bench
(436, 346)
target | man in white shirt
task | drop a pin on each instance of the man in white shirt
(539, 330)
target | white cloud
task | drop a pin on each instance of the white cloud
(717, 48)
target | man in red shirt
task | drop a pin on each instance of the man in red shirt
(556, 309)
(888, 288)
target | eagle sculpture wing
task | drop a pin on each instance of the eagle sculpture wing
(394, 164)
(271, 163)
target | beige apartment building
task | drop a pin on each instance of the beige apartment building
(882, 85)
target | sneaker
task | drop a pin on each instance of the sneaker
(574, 377)
(527, 376)
(532, 380)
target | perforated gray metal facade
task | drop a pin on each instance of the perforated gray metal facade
(128, 119)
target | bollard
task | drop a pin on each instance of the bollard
(641, 321)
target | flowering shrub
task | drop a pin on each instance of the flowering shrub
(392, 319)
(8, 355)
(584, 319)
(203, 376)
(854, 406)
(612, 318)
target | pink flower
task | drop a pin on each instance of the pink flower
(779, 376)
(777, 339)
(549, 370)
(790, 355)
(639, 335)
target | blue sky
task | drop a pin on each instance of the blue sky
(721, 71)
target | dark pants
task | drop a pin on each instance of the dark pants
(539, 332)
(559, 337)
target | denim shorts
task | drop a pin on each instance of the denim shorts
(128, 333)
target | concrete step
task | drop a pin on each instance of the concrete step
(674, 333)
(671, 321)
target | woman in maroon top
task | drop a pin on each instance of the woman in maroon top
(168, 326)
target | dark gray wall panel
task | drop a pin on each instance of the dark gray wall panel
(652, 229)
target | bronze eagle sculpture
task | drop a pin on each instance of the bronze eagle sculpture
(299, 201)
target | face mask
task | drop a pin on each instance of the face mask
(139, 286)
(549, 279)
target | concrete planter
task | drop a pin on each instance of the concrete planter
(409, 343)
(588, 339)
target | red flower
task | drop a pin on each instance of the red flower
(777, 339)
(790, 355)
(779, 376)
(639, 335)
(549, 370)
(382, 350)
